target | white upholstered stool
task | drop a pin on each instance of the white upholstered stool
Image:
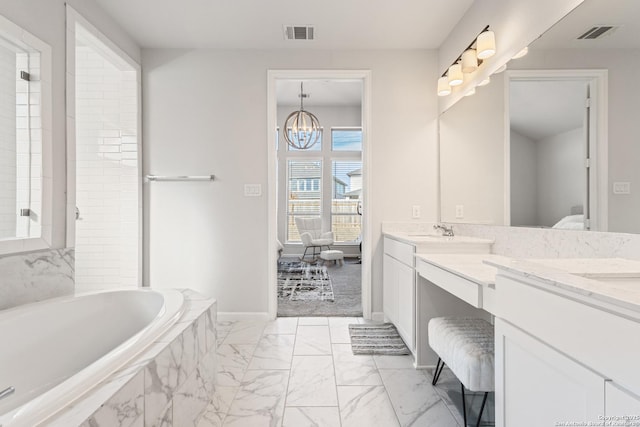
(332, 255)
(466, 346)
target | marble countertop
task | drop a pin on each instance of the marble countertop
(417, 237)
(469, 266)
(611, 280)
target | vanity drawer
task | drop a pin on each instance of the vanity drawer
(468, 291)
(403, 252)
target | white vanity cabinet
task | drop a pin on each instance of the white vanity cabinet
(398, 290)
(562, 355)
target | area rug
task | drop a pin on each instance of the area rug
(301, 281)
(376, 339)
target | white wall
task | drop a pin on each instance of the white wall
(624, 110)
(46, 20)
(524, 180)
(472, 157)
(205, 112)
(561, 175)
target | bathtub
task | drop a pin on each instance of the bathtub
(54, 351)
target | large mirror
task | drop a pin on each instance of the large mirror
(25, 208)
(516, 152)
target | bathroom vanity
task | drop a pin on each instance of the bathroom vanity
(402, 300)
(567, 332)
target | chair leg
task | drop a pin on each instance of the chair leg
(464, 405)
(484, 400)
(438, 371)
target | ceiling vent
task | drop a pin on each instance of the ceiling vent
(598, 31)
(299, 32)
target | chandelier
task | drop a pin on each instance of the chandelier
(302, 129)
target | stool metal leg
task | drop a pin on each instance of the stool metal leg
(464, 407)
(438, 371)
(484, 400)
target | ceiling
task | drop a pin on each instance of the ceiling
(258, 24)
(322, 93)
(539, 109)
(623, 13)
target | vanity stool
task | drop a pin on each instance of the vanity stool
(466, 345)
(332, 255)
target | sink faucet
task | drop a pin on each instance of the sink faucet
(446, 231)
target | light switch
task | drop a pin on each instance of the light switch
(253, 190)
(459, 211)
(621, 188)
(416, 211)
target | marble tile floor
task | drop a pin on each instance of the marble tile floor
(301, 372)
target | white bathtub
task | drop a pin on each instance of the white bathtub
(54, 351)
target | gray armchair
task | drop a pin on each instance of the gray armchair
(312, 236)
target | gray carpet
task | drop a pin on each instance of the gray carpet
(347, 292)
(376, 339)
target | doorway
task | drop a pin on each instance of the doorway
(106, 178)
(327, 182)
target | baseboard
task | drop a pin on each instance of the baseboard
(377, 316)
(424, 366)
(244, 316)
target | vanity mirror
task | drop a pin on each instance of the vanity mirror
(505, 153)
(25, 140)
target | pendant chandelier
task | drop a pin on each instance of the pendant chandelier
(302, 129)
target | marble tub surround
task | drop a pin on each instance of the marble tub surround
(35, 276)
(267, 384)
(605, 282)
(169, 383)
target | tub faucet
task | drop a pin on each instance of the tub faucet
(7, 391)
(446, 231)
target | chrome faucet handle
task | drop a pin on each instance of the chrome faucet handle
(7, 392)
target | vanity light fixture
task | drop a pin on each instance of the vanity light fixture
(302, 129)
(485, 82)
(522, 53)
(456, 76)
(486, 44)
(481, 48)
(501, 69)
(444, 88)
(469, 61)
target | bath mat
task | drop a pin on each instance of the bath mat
(301, 281)
(377, 339)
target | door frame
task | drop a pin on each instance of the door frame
(598, 137)
(272, 159)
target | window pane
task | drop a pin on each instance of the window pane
(346, 221)
(346, 139)
(304, 195)
(315, 147)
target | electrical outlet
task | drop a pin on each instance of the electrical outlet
(416, 211)
(459, 211)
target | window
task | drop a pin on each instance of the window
(346, 139)
(346, 219)
(304, 195)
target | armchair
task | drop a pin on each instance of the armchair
(311, 234)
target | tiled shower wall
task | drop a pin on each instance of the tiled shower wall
(106, 173)
(7, 143)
